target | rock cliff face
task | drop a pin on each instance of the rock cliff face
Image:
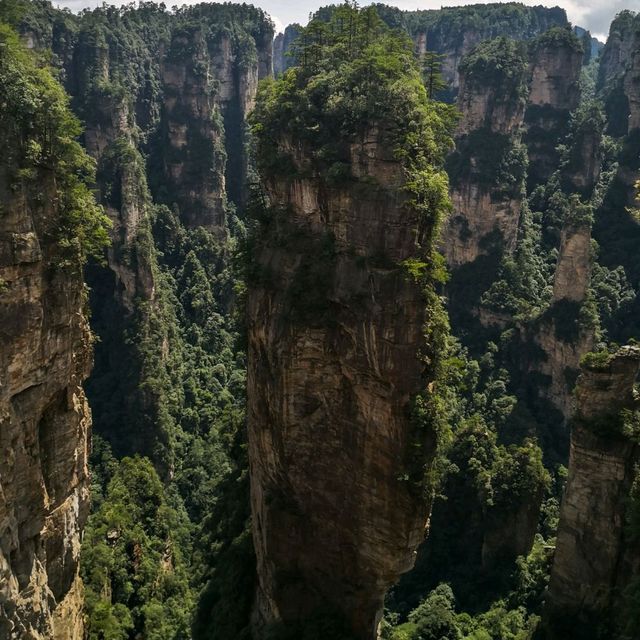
(496, 109)
(619, 85)
(333, 344)
(492, 104)
(597, 554)
(44, 426)
(209, 88)
(618, 74)
(555, 64)
(45, 355)
(282, 47)
(194, 156)
(442, 32)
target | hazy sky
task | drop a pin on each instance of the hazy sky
(595, 15)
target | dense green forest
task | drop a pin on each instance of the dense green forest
(169, 226)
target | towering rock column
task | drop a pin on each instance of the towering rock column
(597, 554)
(555, 64)
(335, 329)
(487, 168)
(560, 333)
(45, 355)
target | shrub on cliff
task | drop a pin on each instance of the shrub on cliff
(38, 134)
(356, 75)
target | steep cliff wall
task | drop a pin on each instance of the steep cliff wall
(560, 333)
(453, 32)
(597, 553)
(555, 62)
(616, 74)
(282, 49)
(48, 223)
(486, 169)
(341, 318)
(332, 369)
(44, 423)
(615, 229)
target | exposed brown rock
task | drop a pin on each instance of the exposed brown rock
(555, 72)
(554, 92)
(573, 269)
(563, 352)
(334, 522)
(595, 558)
(45, 354)
(194, 160)
(479, 209)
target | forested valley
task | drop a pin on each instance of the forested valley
(327, 334)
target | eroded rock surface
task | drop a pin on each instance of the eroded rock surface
(596, 555)
(334, 337)
(45, 355)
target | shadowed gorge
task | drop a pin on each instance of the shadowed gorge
(322, 334)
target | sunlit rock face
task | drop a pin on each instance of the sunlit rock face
(45, 355)
(334, 338)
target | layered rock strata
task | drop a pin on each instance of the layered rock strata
(45, 355)
(597, 554)
(486, 209)
(334, 335)
(560, 334)
(555, 62)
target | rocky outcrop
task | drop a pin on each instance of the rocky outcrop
(573, 268)
(560, 334)
(45, 355)
(486, 199)
(209, 85)
(618, 74)
(442, 32)
(619, 85)
(194, 155)
(597, 554)
(555, 62)
(581, 172)
(335, 326)
(282, 49)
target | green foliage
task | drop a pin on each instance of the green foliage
(134, 566)
(355, 76)
(432, 74)
(39, 135)
(500, 63)
(595, 360)
(436, 619)
(495, 161)
(557, 37)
